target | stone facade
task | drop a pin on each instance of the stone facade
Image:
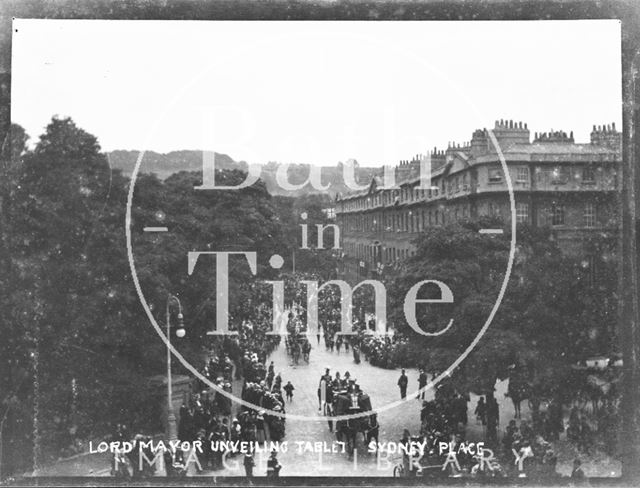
(570, 187)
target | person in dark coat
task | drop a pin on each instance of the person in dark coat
(171, 460)
(422, 382)
(403, 381)
(288, 388)
(249, 464)
(184, 423)
(170, 471)
(133, 456)
(356, 353)
(273, 466)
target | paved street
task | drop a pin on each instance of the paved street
(380, 384)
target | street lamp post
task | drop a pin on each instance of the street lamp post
(172, 429)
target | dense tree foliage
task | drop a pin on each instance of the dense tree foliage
(557, 310)
(72, 322)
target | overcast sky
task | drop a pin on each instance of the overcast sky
(313, 92)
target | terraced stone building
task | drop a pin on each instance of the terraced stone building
(558, 183)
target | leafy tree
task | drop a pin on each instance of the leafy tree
(16, 303)
(554, 312)
(74, 319)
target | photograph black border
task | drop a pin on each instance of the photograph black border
(627, 11)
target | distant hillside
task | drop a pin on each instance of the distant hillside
(167, 164)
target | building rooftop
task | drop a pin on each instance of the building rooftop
(515, 144)
(558, 148)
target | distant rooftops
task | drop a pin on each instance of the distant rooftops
(554, 136)
(512, 135)
(510, 124)
(513, 138)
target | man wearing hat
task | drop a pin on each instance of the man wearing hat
(236, 430)
(323, 384)
(249, 464)
(422, 382)
(327, 375)
(403, 381)
(351, 385)
(273, 466)
(288, 388)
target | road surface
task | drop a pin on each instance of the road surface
(380, 384)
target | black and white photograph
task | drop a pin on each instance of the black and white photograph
(338, 250)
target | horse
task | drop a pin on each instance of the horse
(348, 430)
(373, 431)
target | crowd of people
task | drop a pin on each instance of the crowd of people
(445, 415)
(262, 387)
(525, 448)
(528, 451)
(584, 428)
(208, 415)
(379, 351)
(329, 386)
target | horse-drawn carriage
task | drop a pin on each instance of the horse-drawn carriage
(349, 402)
(297, 346)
